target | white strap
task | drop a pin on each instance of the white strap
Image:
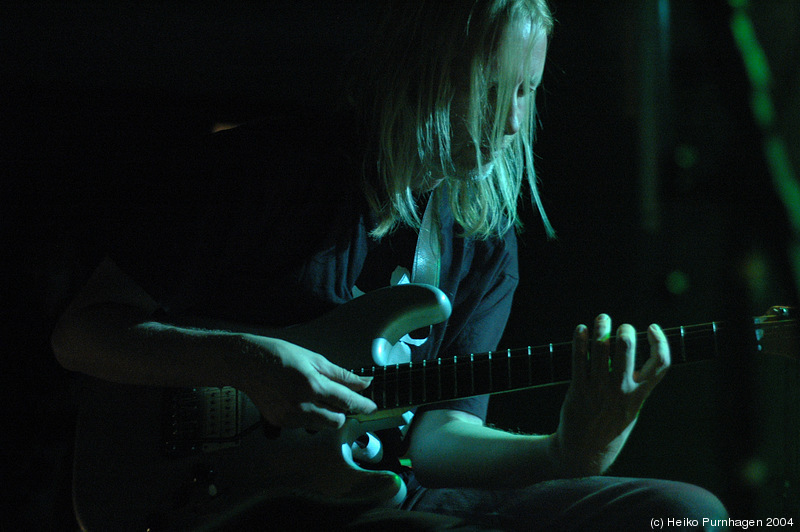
(427, 257)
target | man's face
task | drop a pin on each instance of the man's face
(521, 52)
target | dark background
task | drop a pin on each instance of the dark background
(652, 172)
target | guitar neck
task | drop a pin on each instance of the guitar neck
(416, 384)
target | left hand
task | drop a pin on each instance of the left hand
(605, 395)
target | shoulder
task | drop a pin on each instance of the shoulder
(493, 254)
(496, 257)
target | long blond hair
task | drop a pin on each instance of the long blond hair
(425, 53)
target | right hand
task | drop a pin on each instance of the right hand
(297, 388)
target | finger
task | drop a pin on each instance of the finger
(306, 415)
(317, 417)
(657, 364)
(341, 375)
(336, 388)
(600, 347)
(339, 398)
(624, 357)
(580, 369)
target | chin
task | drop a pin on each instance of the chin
(479, 174)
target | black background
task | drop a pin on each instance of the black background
(97, 96)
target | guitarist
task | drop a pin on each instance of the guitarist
(285, 219)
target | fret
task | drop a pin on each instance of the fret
(530, 368)
(521, 368)
(486, 373)
(439, 375)
(455, 377)
(410, 383)
(542, 365)
(424, 381)
(683, 343)
(384, 386)
(714, 333)
(508, 364)
(694, 342)
(372, 388)
(472, 373)
(397, 385)
(480, 374)
(562, 362)
(491, 386)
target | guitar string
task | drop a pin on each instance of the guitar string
(544, 350)
(390, 377)
(706, 331)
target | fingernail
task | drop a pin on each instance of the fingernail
(624, 335)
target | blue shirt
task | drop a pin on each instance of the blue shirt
(270, 228)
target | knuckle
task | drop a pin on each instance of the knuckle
(317, 385)
(351, 402)
(338, 372)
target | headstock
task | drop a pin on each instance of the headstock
(777, 333)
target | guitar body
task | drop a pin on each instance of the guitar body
(163, 459)
(186, 459)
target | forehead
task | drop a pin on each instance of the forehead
(522, 49)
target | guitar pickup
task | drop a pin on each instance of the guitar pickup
(201, 419)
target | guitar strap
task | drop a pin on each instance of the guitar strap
(428, 254)
(425, 270)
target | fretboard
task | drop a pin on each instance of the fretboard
(419, 383)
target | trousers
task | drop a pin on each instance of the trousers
(592, 503)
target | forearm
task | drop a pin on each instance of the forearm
(450, 449)
(108, 332)
(119, 343)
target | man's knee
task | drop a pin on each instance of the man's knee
(686, 506)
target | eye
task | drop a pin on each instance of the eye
(491, 92)
(524, 90)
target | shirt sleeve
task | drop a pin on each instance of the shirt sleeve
(481, 307)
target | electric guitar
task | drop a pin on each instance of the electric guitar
(184, 458)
